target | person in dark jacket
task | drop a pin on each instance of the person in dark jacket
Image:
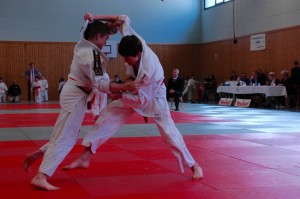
(175, 87)
(295, 76)
(14, 92)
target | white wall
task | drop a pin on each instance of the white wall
(168, 21)
(252, 16)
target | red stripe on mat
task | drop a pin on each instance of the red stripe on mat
(28, 106)
(49, 119)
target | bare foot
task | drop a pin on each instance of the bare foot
(82, 162)
(30, 158)
(77, 164)
(40, 181)
(197, 172)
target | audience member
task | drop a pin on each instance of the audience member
(3, 90)
(233, 76)
(30, 74)
(61, 83)
(272, 81)
(245, 79)
(210, 86)
(175, 87)
(288, 83)
(295, 76)
(262, 78)
(254, 80)
(239, 82)
(14, 92)
(44, 89)
(200, 93)
(189, 89)
(117, 79)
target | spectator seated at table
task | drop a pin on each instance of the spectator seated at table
(272, 81)
(255, 80)
(261, 77)
(290, 100)
(256, 99)
(233, 76)
(273, 102)
(245, 79)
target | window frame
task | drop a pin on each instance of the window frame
(216, 4)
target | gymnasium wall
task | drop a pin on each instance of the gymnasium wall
(53, 59)
(251, 16)
(158, 21)
(222, 57)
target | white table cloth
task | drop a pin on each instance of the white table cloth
(269, 91)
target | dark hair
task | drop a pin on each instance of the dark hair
(95, 28)
(130, 45)
(296, 63)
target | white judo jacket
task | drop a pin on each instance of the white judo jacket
(151, 71)
(82, 74)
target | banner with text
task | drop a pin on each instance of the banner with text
(225, 101)
(242, 103)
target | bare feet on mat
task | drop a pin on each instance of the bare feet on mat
(30, 158)
(78, 164)
(40, 182)
(82, 162)
(197, 172)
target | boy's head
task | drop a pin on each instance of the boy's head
(131, 49)
(97, 33)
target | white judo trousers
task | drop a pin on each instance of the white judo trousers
(116, 114)
(64, 136)
(73, 102)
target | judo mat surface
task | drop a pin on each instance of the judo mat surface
(244, 153)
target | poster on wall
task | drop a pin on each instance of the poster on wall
(257, 42)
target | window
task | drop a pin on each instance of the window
(213, 3)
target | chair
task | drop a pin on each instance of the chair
(171, 99)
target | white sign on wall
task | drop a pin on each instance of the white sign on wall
(257, 42)
(110, 48)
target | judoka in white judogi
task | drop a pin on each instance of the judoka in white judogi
(44, 89)
(73, 105)
(150, 102)
(3, 91)
(37, 85)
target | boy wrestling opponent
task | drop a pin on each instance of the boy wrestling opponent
(88, 63)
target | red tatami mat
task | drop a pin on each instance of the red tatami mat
(143, 167)
(28, 106)
(49, 119)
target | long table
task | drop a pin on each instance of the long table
(268, 91)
